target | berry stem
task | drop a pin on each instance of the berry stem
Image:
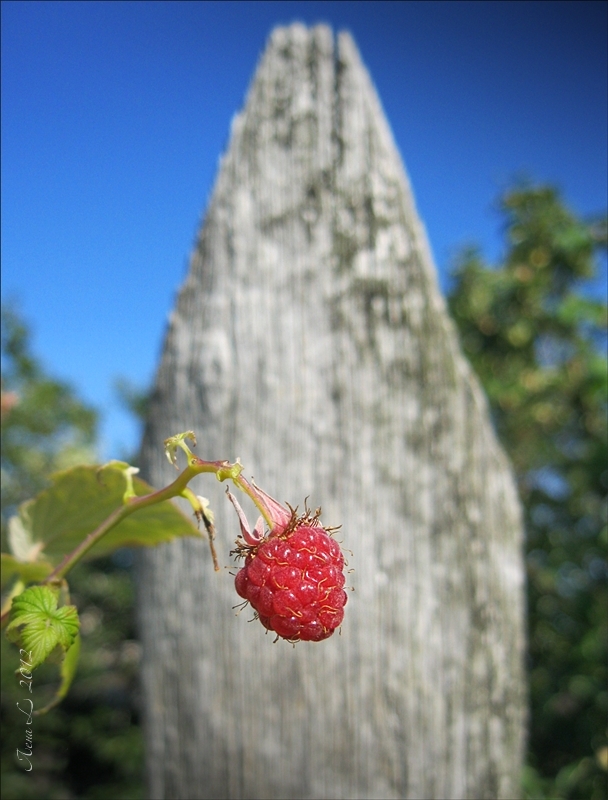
(196, 466)
(223, 470)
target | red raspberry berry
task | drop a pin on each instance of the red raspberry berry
(294, 580)
(293, 576)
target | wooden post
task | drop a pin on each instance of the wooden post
(310, 339)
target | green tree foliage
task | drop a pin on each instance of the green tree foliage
(538, 345)
(45, 427)
(91, 745)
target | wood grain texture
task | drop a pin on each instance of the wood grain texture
(311, 340)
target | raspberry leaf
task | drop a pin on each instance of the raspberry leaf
(27, 571)
(39, 625)
(79, 499)
(67, 671)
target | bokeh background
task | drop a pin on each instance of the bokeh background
(114, 117)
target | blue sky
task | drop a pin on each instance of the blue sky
(114, 115)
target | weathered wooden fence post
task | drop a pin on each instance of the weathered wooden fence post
(310, 339)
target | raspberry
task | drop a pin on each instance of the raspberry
(294, 575)
(294, 580)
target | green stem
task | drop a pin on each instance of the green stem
(195, 467)
(223, 470)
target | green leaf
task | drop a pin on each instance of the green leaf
(81, 498)
(28, 571)
(42, 625)
(67, 671)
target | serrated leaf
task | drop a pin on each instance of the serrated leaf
(40, 624)
(67, 672)
(28, 572)
(81, 498)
